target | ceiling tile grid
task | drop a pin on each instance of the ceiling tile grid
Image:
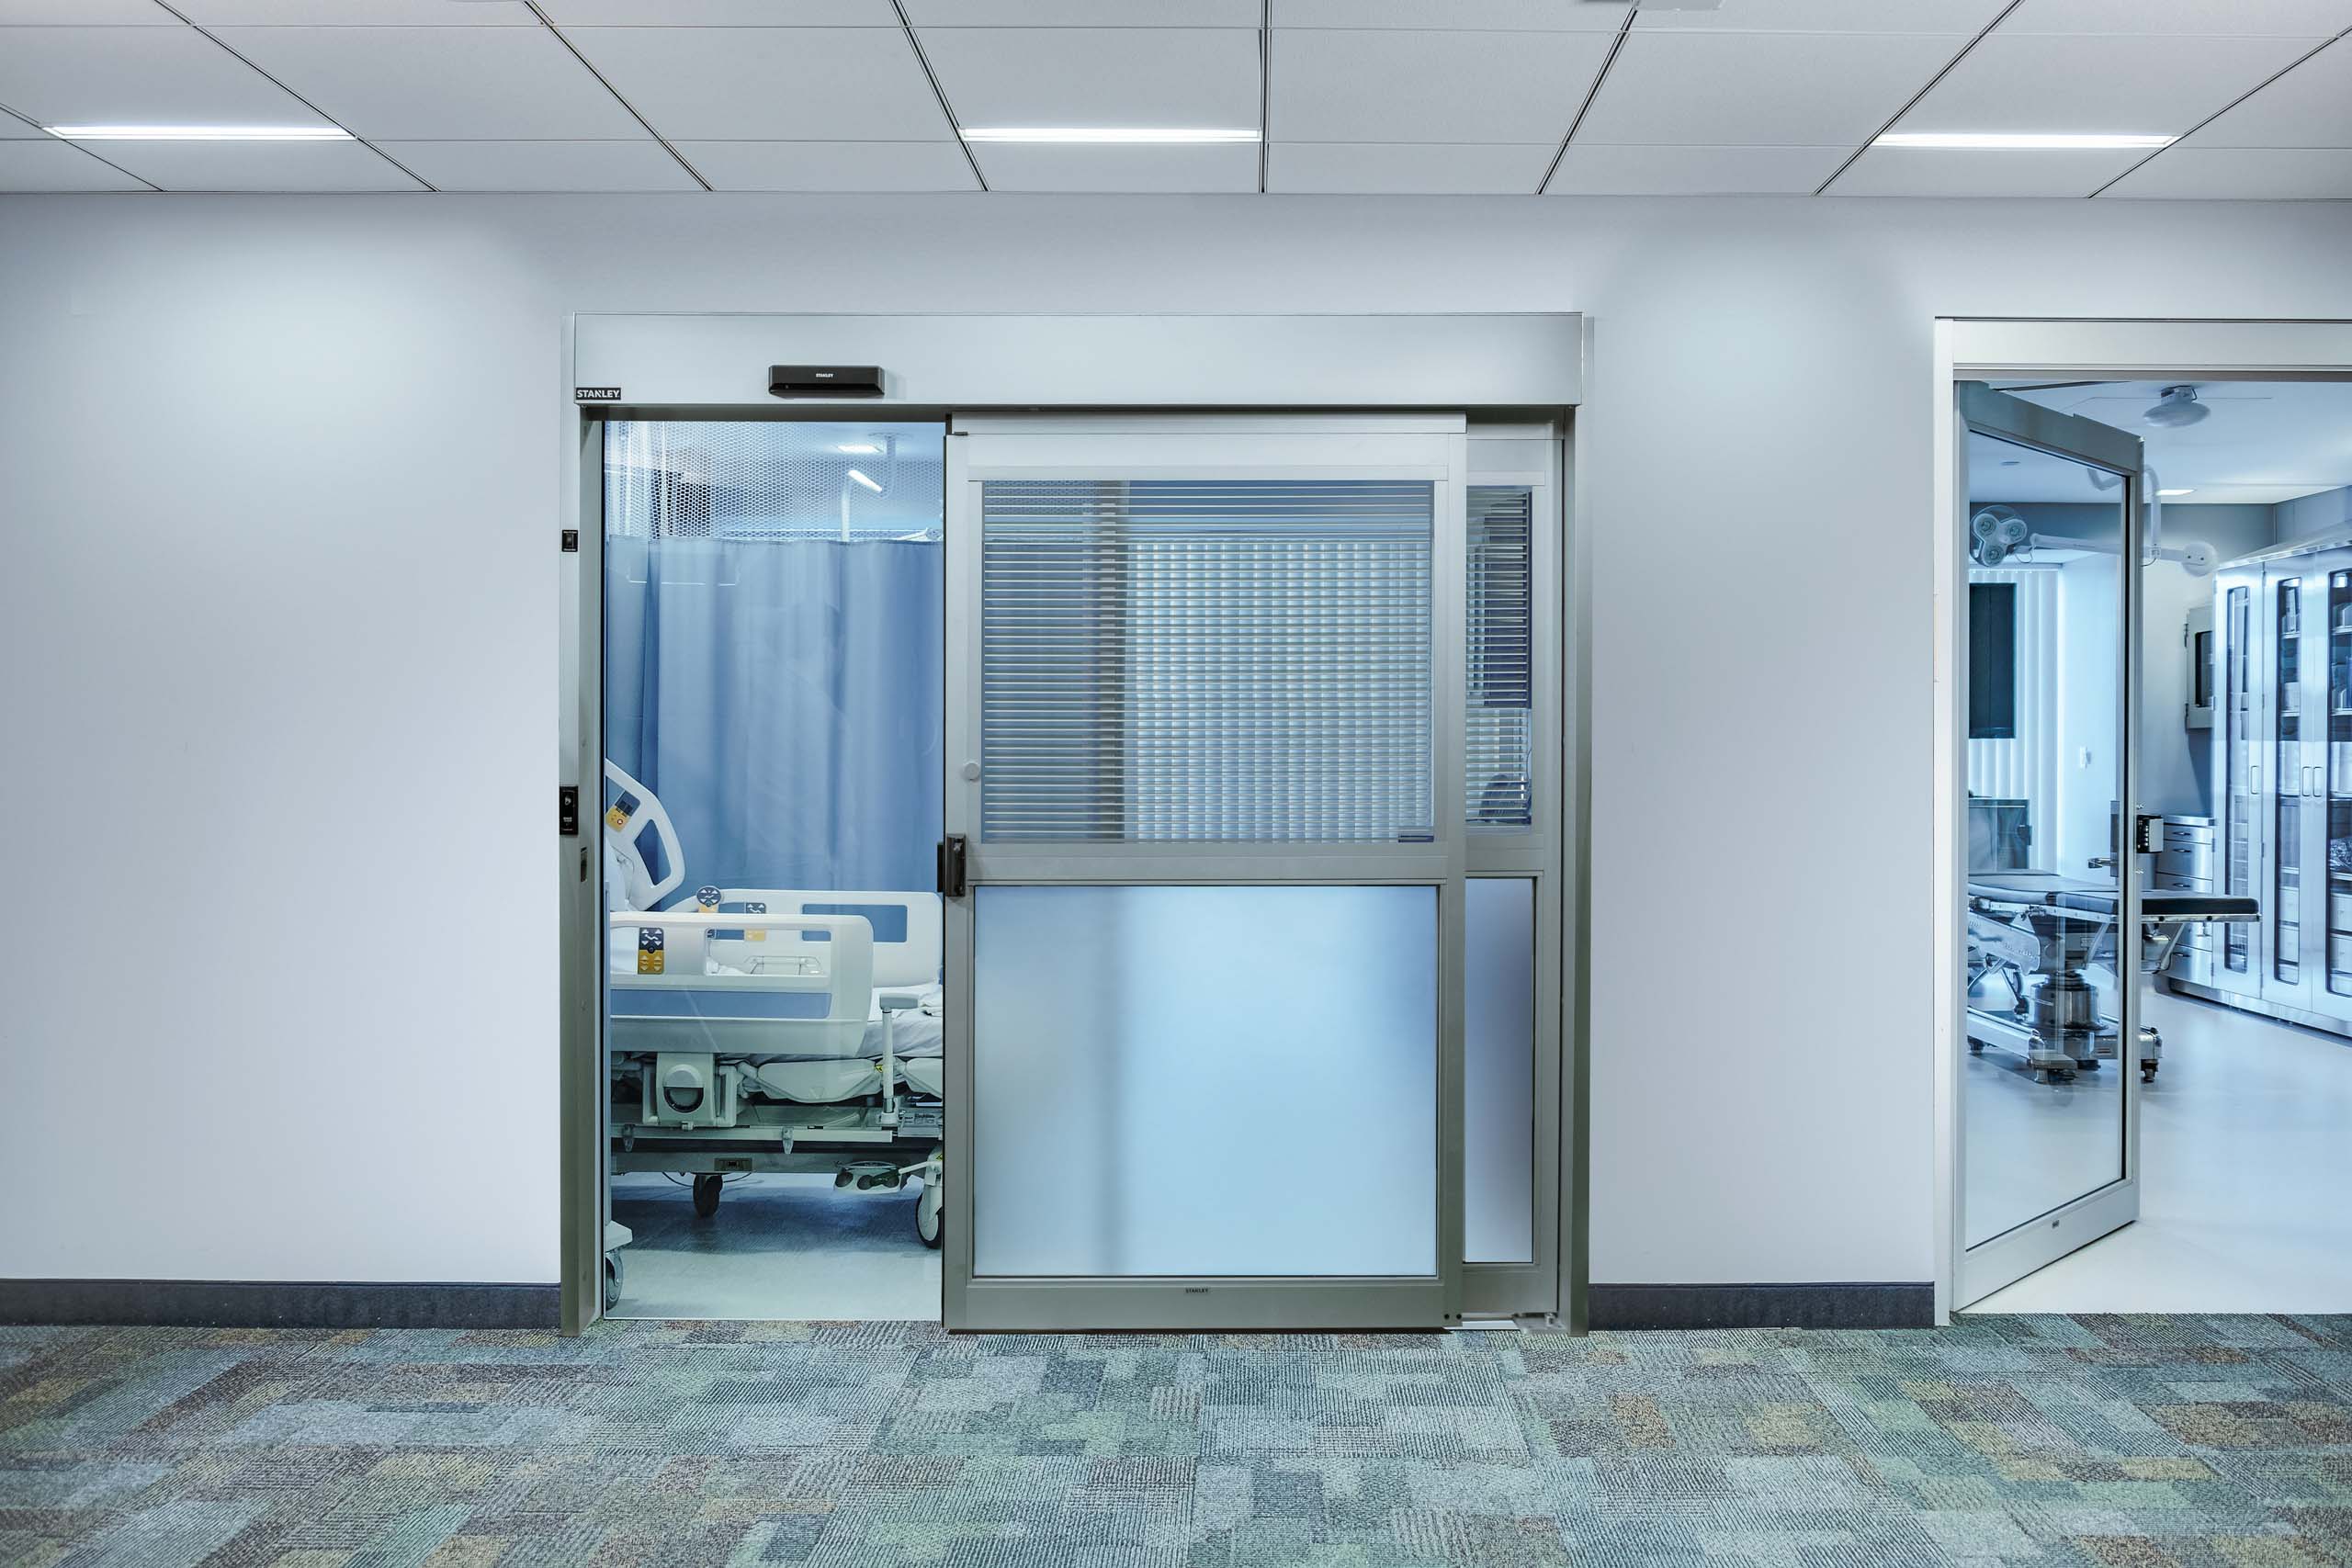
(1362, 96)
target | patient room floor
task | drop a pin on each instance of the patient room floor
(780, 1248)
(2245, 1157)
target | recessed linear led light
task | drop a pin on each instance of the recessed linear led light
(867, 482)
(2176, 492)
(1140, 135)
(858, 448)
(199, 132)
(2021, 141)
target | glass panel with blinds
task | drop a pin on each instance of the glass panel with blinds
(1499, 719)
(1229, 659)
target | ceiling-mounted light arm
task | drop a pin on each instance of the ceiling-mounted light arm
(2196, 556)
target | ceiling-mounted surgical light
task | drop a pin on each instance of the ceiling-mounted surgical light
(2176, 407)
(2102, 479)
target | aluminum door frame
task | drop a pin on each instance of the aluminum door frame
(2311, 813)
(1534, 1289)
(2005, 1258)
(1205, 1302)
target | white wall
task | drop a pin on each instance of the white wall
(282, 479)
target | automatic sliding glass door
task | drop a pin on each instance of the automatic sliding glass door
(1205, 865)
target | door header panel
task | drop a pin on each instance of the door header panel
(722, 362)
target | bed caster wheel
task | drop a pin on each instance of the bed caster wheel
(706, 1191)
(931, 1219)
(613, 1269)
(1976, 1047)
(2147, 1072)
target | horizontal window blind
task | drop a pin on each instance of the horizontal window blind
(1498, 720)
(1206, 659)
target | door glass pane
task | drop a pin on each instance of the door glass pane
(2286, 722)
(1182, 659)
(2238, 742)
(774, 658)
(1223, 1081)
(2046, 1008)
(1499, 1070)
(1498, 720)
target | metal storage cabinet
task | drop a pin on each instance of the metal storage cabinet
(2282, 789)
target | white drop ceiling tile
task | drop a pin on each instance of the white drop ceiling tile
(1084, 12)
(722, 13)
(2243, 173)
(53, 166)
(259, 166)
(85, 13)
(1527, 16)
(770, 83)
(136, 75)
(831, 165)
(1225, 166)
(2216, 18)
(2077, 82)
(639, 166)
(1725, 89)
(1408, 169)
(1097, 76)
(1393, 86)
(1602, 170)
(1938, 170)
(458, 84)
(1969, 16)
(358, 12)
(2308, 107)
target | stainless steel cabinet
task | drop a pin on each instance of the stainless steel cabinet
(2282, 787)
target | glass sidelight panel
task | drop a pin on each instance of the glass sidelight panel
(1499, 1070)
(1205, 1081)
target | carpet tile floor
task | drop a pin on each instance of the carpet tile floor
(2208, 1442)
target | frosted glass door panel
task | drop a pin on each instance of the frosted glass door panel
(1498, 1071)
(1208, 1081)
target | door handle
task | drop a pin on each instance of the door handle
(954, 880)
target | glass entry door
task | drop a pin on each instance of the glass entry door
(2048, 1092)
(1205, 869)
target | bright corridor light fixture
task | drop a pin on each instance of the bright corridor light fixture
(199, 132)
(1105, 134)
(2022, 140)
(2176, 492)
(862, 479)
(858, 448)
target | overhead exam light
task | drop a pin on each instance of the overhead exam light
(2176, 407)
(1996, 532)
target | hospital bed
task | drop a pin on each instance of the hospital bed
(2040, 934)
(768, 1029)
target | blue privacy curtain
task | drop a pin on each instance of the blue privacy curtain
(782, 697)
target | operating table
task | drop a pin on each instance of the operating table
(2039, 932)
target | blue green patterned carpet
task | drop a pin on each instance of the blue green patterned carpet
(2222, 1441)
